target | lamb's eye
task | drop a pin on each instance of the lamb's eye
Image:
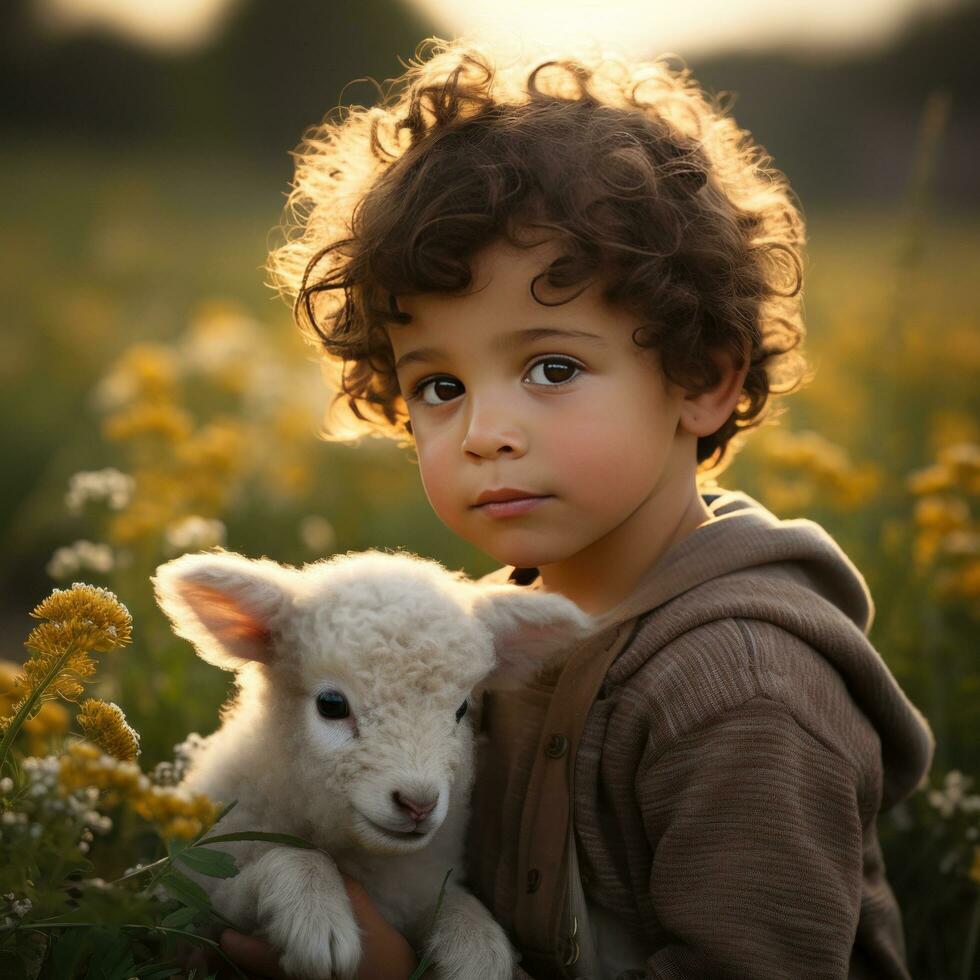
(332, 704)
(461, 710)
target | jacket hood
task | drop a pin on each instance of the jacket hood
(747, 563)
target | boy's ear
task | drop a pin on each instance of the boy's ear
(224, 603)
(529, 627)
(705, 413)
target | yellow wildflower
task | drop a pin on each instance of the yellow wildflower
(924, 548)
(962, 543)
(175, 811)
(941, 514)
(787, 497)
(163, 420)
(143, 372)
(932, 479)
(78, 620)
(969, 579)
(144, 518)
(92, 611)
(83, 765)
(181, 827)
(963, 460)
(217, 447)
(50, 722)
(105, 724)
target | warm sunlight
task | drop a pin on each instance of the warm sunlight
(162, 23)
(640, 25)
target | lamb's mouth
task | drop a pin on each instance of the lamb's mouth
(398, 834)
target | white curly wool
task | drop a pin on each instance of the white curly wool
(398, 642)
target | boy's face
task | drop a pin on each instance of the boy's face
(587, 421)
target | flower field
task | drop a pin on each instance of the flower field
(158, 400)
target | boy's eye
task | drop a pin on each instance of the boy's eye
(551, 372)
(554, 371)
(439, 386)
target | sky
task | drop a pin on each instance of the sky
(635, 26)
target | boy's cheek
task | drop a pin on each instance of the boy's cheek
(440, 484)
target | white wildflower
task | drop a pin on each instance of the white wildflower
(317, 534)
(193, 534)
(217, 338)
(109, 484)
(78, 557)
(970, 804)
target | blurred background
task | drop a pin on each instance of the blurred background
(156, 397)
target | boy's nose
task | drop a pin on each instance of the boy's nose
(489, 440)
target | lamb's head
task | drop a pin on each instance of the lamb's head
(360, 667)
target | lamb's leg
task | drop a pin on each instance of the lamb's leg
(467, 943)
(297, 898)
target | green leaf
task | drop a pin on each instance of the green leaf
(180, 918)
(185, 890)
(64, 954)
(112, 956)
(287, 839)
(207, 861)
(224, 813)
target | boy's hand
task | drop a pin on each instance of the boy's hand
(387, 954)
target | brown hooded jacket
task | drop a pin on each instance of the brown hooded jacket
(728, 737)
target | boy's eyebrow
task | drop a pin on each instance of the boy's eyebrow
(508, 340)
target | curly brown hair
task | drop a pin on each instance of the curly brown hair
(644, 181)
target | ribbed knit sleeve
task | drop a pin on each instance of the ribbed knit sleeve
(757, 850)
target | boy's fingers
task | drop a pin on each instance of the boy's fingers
(255, 956)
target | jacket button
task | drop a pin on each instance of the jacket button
(533, 880)
(557, 746)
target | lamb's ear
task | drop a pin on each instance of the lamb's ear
(529, 627)
(224, 604)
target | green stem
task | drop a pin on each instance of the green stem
(14, 727)
(140, 871)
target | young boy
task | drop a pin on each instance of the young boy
(572, 287)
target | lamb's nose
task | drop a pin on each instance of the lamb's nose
(417, 809)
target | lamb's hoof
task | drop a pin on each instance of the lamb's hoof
(317, 950)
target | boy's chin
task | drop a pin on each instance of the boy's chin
(526, 557)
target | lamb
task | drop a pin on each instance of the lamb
(354, 675)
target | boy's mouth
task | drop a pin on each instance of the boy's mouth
(512, 507)
(506, 495)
